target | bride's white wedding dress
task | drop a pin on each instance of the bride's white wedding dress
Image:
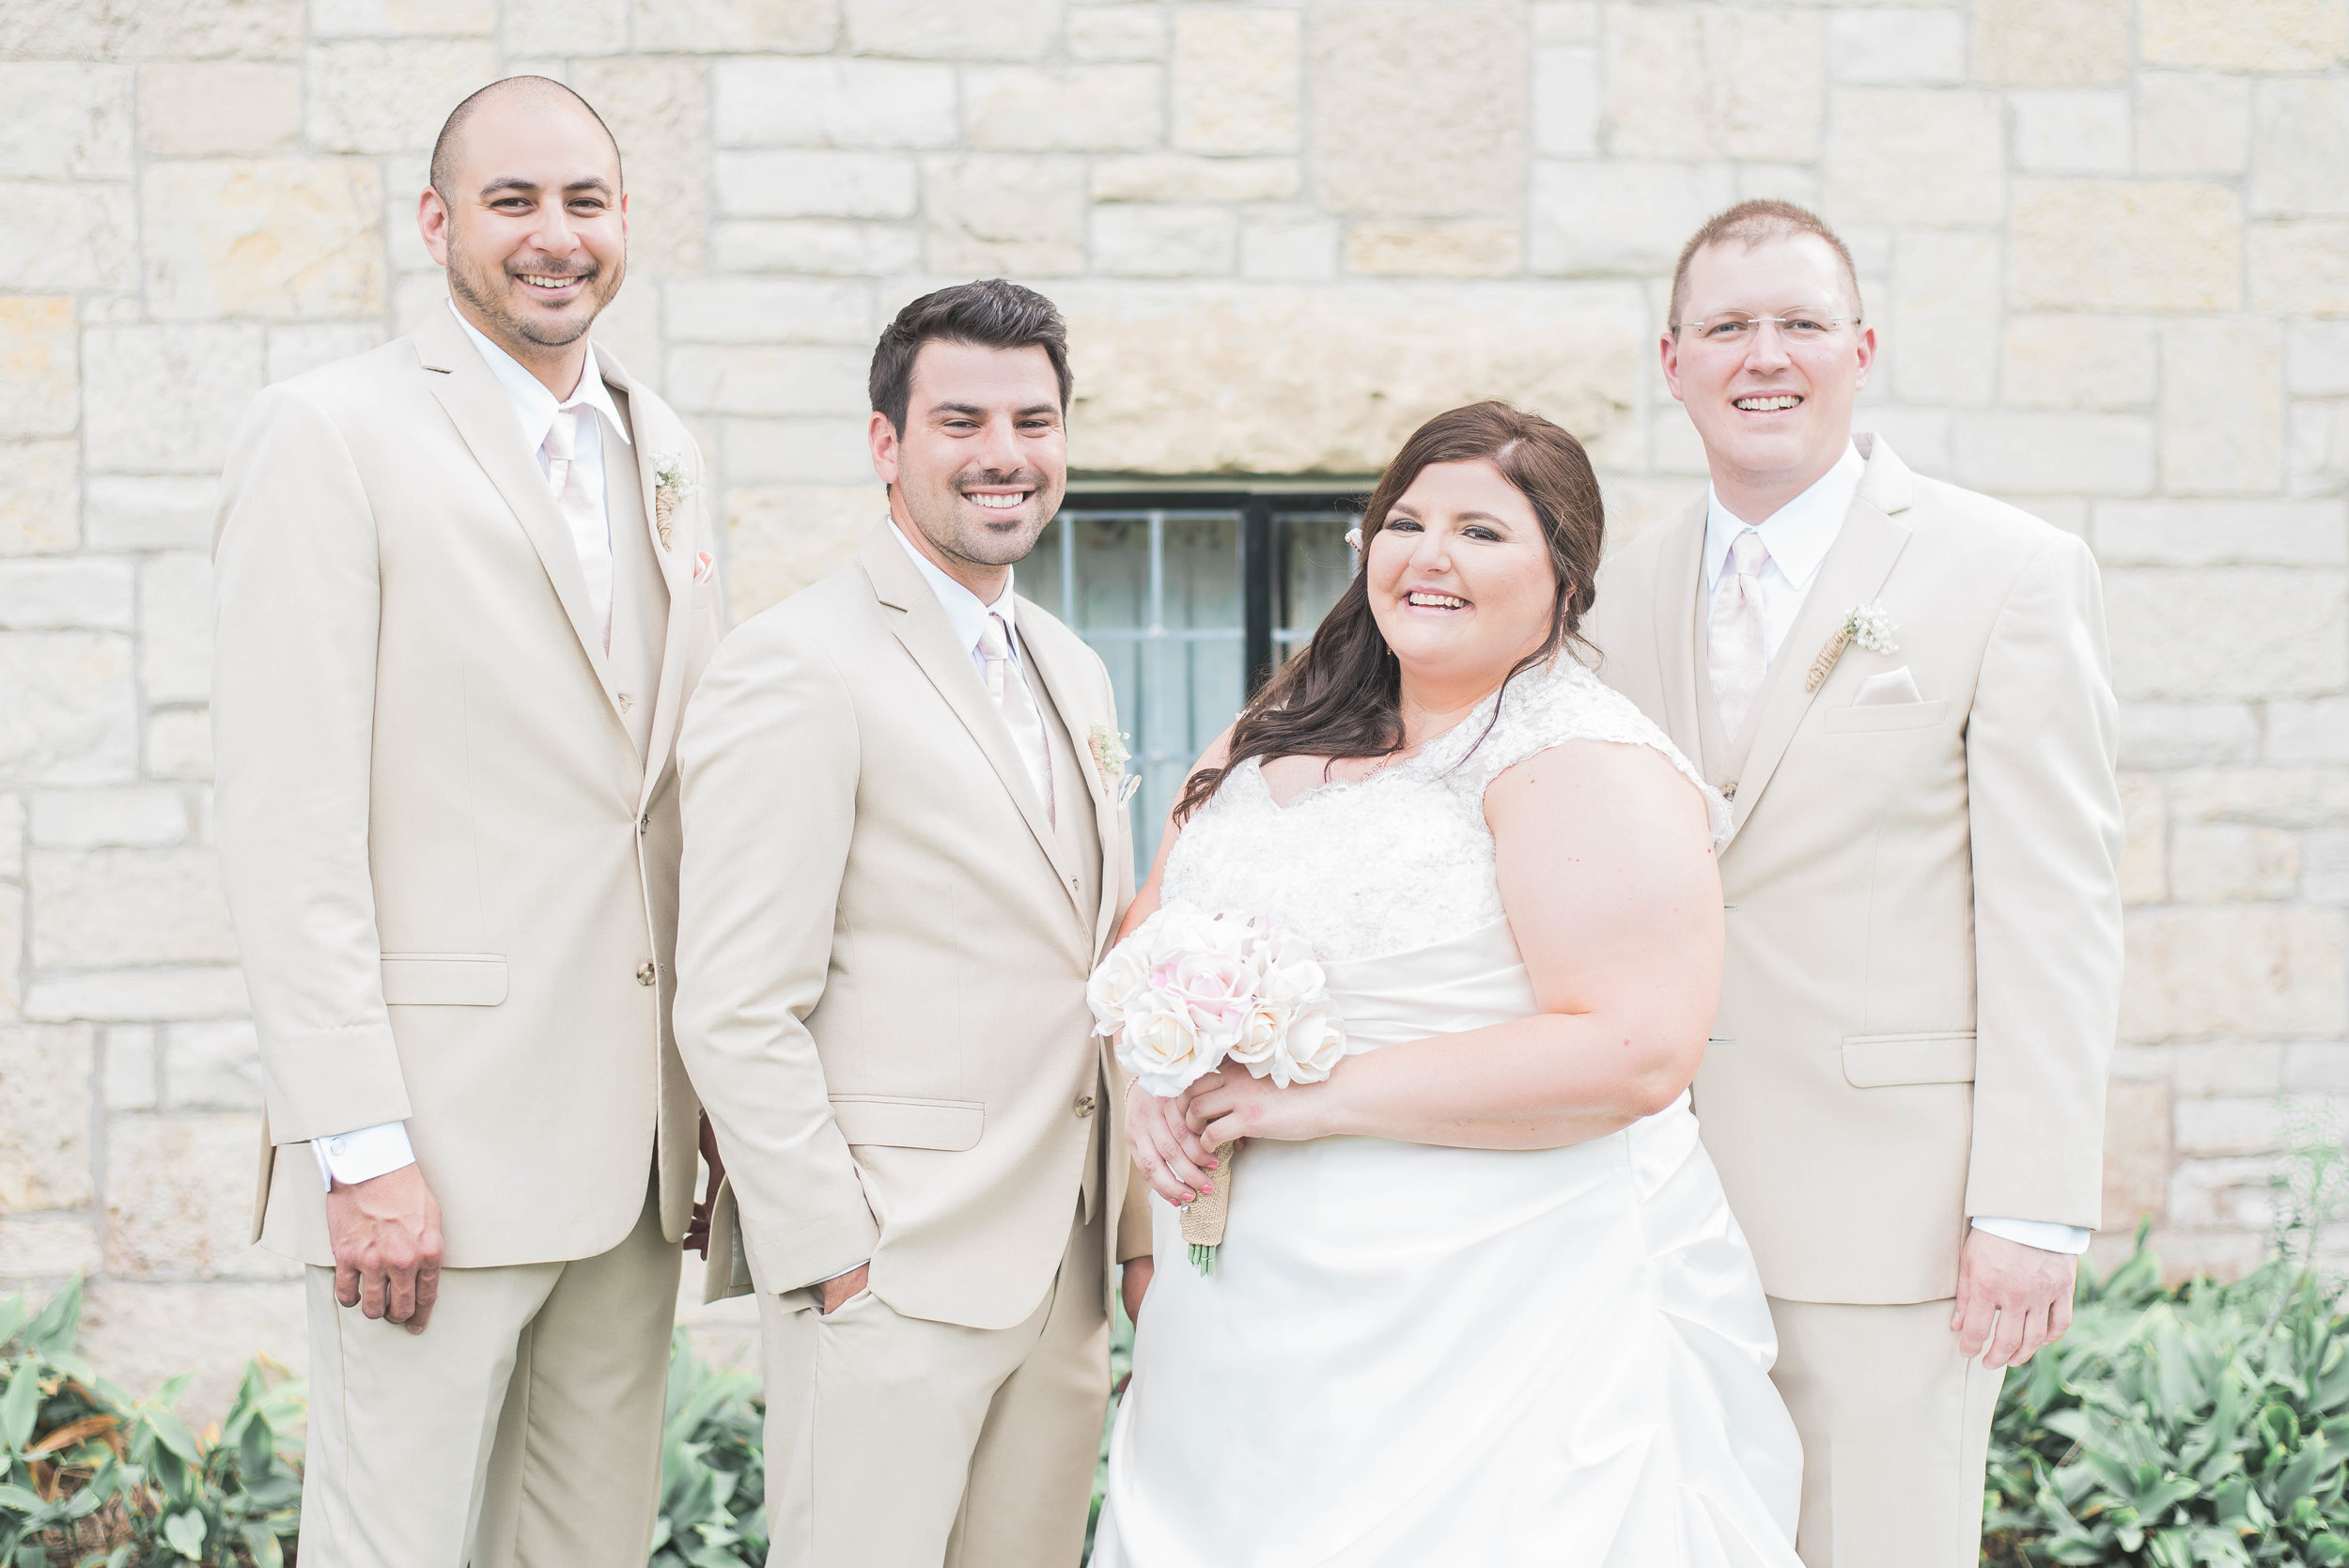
(1425, 1356)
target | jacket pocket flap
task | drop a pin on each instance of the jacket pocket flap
(909, 1124)
(1868, 718)
(1881, 1060)
(444, 979)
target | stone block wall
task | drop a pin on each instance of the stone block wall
(2106, 241)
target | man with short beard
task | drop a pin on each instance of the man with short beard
(905, 848)
(464, 586)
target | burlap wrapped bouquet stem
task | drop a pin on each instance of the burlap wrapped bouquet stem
(1203, 1216)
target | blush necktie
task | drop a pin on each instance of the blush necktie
(1738, 641)
(581, 513)
(1012, 695)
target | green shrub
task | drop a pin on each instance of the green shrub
(713, 1472)
(2175, 1428)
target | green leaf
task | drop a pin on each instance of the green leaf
(20, 1407)
(184, 1530)
(18, 1497)
(173, 1434)
(13, 1312)
(51, 1332)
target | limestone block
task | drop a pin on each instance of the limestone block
(99, 906)
(832, 102)
(2064, 131)
(2194, 1254)
(2223, 532)
(65, 121)
(781, 380)
(2217, 1069)
(746, 310)
(2137, 1153)
(1946, 296)
(147, 1332)
(1568, 108)
(2222, 408)
(127, 1070)
(61, 237)
(2051, 43)
(1301, 380)
(297, 350)
(1716, 82)
(1455, 248)
(997, 214)
(142, 816)
(2316, 359)
(2216, 1128)
(279, 238)
(1289, 249)
(39, 378)
(2301, 268)
(213, 1066)
(1136, 32)
(826, 451)
(1795, 182)
(1566, 22)
(2244, 35)
(2323, 1067)
(1067, 109)
(2148, 245)
(132, 996)
(128, 513)
(2324, 867)
(585, 27)
(2273, 797)
(744, 26)
(72, 714)
(1171, 241)
(1879, 137)
(953, 29)
(55, 596)
(821, 245)
(2192, 122)
(47, 1245)
(2014, 453)
(373, 95)
(179, 1199)
(1235, 79)
(213, 30)
(2222, 1194)
(1925, 438)
(13, 816)
(45, 1116)
(2247, 969)
(658, 111)
(782, 538)
(2224, 863)
(179, 744)
(11, 951)
(815, 185)
(2314, 730)
(2077, 362)
(1620, 216)
(397, 19)
(167, 398)
(1461, 152)
(2299, 145)
(40, 502)
(175, 617)
(2226, 632)
(1186, 176)
(1891, 48)
(2144, 847)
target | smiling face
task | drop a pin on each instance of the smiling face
(983, 460)
(1773, 404)
(533, 228)
(1459, 577)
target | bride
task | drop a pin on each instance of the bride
(1480, 1299)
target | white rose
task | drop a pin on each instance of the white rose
(1162, 1047)
(1313, 1043)
(1119, 980)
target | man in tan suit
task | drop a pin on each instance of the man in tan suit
(905, 848)
(464, 585)
(1905, 1093)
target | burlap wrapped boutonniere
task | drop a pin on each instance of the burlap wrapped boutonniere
(671, 484)
(1110, 757)
(1868, 626)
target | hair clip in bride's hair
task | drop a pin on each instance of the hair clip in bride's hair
(1354, 538)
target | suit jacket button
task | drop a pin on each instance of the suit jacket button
(1084, 1106)
(644, 976)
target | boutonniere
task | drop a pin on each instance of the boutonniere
(1868, 626)
(1110, 757)
(671, 484)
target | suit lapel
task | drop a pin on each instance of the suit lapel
(1045, 656)
(1674, 618)
(1852, 574)
(920, 624)
(483, 416)
(652, 433)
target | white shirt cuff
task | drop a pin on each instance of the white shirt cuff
(351, 1158)
(2048, 1235)
(842, 1274)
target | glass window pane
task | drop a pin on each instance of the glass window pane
(1311, 566)
(1113, 571)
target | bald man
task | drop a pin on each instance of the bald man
(465, 584)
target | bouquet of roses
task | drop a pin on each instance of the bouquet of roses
(1192, 989)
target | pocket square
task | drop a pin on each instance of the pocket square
(1893, 686)
(704, 567)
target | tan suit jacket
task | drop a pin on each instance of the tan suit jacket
(447, 816)
(1924, 969)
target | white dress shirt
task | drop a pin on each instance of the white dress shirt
(1799, 536)
(963, 609)
(368, 1151)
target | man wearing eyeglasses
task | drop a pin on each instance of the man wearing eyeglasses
(1903, 689)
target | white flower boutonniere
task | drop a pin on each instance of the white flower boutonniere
(1868, 626)
(1110, 757)
(671, 484)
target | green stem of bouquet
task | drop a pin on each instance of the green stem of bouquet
(1203, 1258)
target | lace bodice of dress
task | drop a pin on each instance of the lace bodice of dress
(1402, 859)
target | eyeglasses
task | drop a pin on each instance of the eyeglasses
(1736, 327)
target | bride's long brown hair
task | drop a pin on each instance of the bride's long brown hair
(1340, 697)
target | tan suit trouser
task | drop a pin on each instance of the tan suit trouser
(521, 1430)
(896, 1442)
(1895, 1429)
